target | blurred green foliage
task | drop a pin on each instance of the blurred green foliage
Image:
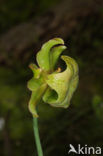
(98, 106)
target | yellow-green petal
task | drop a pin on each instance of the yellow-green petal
(37, 86)
(43, 56)
(35, 98)
(62, 85)
(36, 71)
(54, 55)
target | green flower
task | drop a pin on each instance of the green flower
(53, 86)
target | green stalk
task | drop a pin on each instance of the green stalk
(37, 138)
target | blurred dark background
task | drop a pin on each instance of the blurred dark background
(24, 27)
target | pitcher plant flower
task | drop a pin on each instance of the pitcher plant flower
(52, 85)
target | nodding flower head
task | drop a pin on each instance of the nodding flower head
(49, 84)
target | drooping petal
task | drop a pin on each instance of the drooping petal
(37, 86)
(62, 85)
(54, 55)
(43, 56)
(35, 98)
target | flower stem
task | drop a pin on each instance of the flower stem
(37, 138)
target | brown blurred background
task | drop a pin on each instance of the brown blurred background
(24, 27)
